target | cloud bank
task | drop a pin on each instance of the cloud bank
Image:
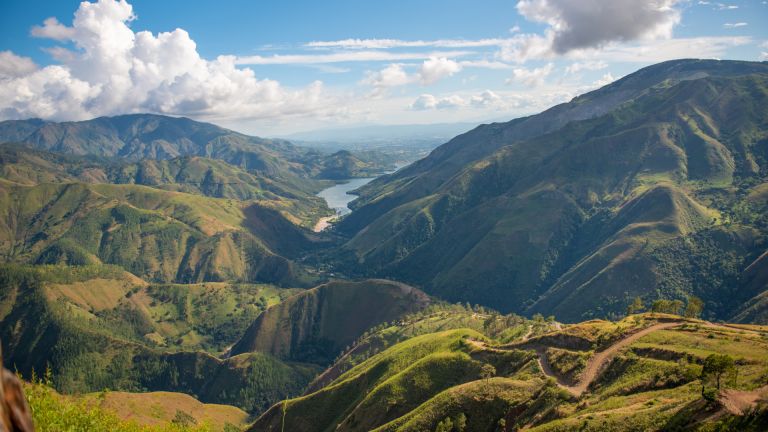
(114, 70)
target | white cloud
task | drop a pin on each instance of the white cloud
(399, 43)
(531, 77)
(533, 47)
(585, 65)
(595, 23)
(487, 99)
(344, 57)
(735, 25)
(429, 102)
(437, 68)
(115, 71)
(12, 66)
(393, 75)
(604, 80)
(53, 29)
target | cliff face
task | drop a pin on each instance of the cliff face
(316, 325)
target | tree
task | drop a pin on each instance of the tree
(445, 426)
(667, 306)
(675, 307)
(715, 366)
(487, 372)
(460, 424)
(636, 306)
(694, 307)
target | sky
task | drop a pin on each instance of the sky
(280, 67)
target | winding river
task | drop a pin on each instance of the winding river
(338, 197)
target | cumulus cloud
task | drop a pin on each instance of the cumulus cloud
(53, 29)
(114, 70)
(12, 66)
(394, 75)
(604, 80)
(485, 100)
(594, 23)
(429, 102)
(531, 77)
(437, 68)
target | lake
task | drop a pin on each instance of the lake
(338, 196)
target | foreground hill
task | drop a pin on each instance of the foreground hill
(98, 327)
(316, 325)
(651, 186)
(641, 373)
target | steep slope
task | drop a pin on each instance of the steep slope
(317, 324)
(550, 222)
(637, 374)
(425, 176)
(159, 235)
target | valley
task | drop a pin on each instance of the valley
(596, 266)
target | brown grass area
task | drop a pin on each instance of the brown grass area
(160, 407)
(98, 294)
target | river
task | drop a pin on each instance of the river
(338, 197)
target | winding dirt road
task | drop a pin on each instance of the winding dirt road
(594, 365)
(599, 360)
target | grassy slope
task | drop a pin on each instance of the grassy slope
(195, 175)
(417, 383)
(159, 235)
(99, 327)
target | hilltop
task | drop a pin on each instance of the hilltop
(642, 372)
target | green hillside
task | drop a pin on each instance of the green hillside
(161, 236)
(641, 373)
(654, 183)
(99, 327)
(190, 174)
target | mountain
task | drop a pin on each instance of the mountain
(317, 324)
(344, 165)
(640, 373)
(190, 174)
(138, 137)
(650, 186)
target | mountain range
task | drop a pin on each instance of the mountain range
(576, 269)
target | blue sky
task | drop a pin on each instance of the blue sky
(273, 68)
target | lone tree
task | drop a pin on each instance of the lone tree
(715, 366)
(636, 306)
(694, 307)
(487, 372)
